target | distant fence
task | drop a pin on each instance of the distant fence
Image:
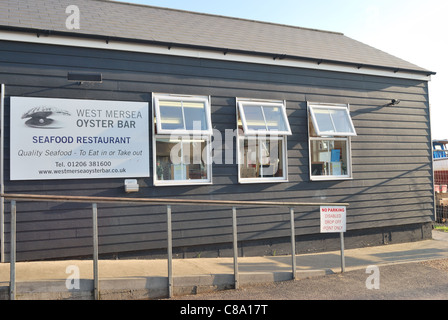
(441, 215)
(441, 193)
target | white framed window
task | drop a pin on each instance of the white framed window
(262, 145)
(182, 114)
(330, 129)
(263, 117)
(331, 120)
(262, 158)
(181, 140)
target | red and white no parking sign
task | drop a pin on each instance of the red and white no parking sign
(333, 219)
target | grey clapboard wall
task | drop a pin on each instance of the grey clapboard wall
(392, 179)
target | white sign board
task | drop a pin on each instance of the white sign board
(332, 219)
(78, 139)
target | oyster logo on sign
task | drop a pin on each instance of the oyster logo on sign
(45, 117)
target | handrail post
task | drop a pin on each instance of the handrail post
(95, 252)
(293, 243)
(342, 253)
(12, 254)
(235, 248)
(170, 252)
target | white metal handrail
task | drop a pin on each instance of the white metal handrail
(154, 201)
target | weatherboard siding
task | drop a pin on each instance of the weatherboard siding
(392, 179)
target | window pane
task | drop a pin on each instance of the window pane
(164, 165)
(323, 120)
(196, 167)
(171, 115)
(178, 159)
(249, 167)
(195, 116)
(254, 118)
(274, 119)
(341, 121)
(329, 157)
(261, 158)
(271, 158)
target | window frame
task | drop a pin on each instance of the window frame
(283, 178)
(260, 135)
(191, 135)
(182, 98)
(345, 108)
(268, 103)
(347, 138)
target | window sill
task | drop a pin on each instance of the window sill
(180, 183)
(261, 180)
(330, 178)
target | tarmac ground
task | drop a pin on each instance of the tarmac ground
(147, 279)
(425, 280)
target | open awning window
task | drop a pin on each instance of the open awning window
(182, 115)
(330, 120)
(263, 118)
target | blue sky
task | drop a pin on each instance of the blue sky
(413, 30)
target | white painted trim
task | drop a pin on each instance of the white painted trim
(204, 54)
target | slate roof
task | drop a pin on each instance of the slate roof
(132, 22)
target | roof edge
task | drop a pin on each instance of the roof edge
(224, 51)
(72, 39)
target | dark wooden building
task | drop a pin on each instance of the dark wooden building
(310, 116)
